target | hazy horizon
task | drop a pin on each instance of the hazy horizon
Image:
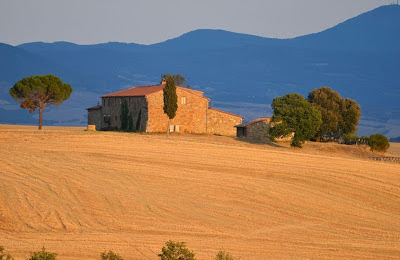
(102, 21)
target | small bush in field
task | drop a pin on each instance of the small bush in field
(4, 256)
(378, 142)
(43, 255)
(176, 251)
(222, 255)
(110, 256)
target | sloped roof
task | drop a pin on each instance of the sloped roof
(211, 108)
(254, 121)
(142, 91)
(136, 91)
(94, 107)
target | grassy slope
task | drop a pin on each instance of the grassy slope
(79, 193)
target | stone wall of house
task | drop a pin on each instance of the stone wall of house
(111, 112)
(259, 130)
(94, 117)
(222, 123)
(190, 116)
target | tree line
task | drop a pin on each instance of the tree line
(323, 114)
(171, 251)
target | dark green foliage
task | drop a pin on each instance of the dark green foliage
(170, 99)
(37, 92)
(4, 256)
(124, 115)
(110, 255)
(139, 119)
(43, 255)
(178, 78)
(350, 116)
(328, 102)
(292, 113)
(222, 255)
(339, 115)
(176, 251)
(378, 142)
(130, 122)
(350, 139)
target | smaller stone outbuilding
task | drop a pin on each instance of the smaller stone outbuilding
(256, 129)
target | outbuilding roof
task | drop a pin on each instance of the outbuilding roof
(94, 107)
(254, 121)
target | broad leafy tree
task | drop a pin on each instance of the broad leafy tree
(5, 256)
(176, 251)
(349, 116)
(339, 115)
(378, 142)
(328, 102)
(43, 255)
(38, 92)
(170, 100)
(110, 255)
(293, 113)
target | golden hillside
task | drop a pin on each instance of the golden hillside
(80, 193)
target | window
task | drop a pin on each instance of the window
(183, 100)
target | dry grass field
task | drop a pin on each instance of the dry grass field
(79, 193)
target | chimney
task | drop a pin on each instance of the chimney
(163, 82)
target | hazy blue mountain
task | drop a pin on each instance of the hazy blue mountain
(377, 30)
(359, 58)
(395, 139)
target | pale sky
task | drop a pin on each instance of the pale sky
(152, 21)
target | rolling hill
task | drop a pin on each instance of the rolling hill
(241, 73)
(79, 193)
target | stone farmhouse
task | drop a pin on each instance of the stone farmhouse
(145, 104)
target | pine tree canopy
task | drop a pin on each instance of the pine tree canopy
(37, 92)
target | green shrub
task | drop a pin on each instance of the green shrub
(4, 256)
(378, 142)
(110, 256)
(176, 251)
(43, 255)
(222, 255)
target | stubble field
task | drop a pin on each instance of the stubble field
(80, 193)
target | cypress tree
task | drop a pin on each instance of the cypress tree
(170, 100)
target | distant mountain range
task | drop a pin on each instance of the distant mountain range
(359, 58)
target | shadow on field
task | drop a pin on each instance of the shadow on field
(255, 141)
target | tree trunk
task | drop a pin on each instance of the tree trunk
(169, 122)
(40, 117)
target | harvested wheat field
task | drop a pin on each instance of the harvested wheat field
(80, 193)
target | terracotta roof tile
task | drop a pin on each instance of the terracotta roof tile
(211, 108)
(146, 90)
(136, 91)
